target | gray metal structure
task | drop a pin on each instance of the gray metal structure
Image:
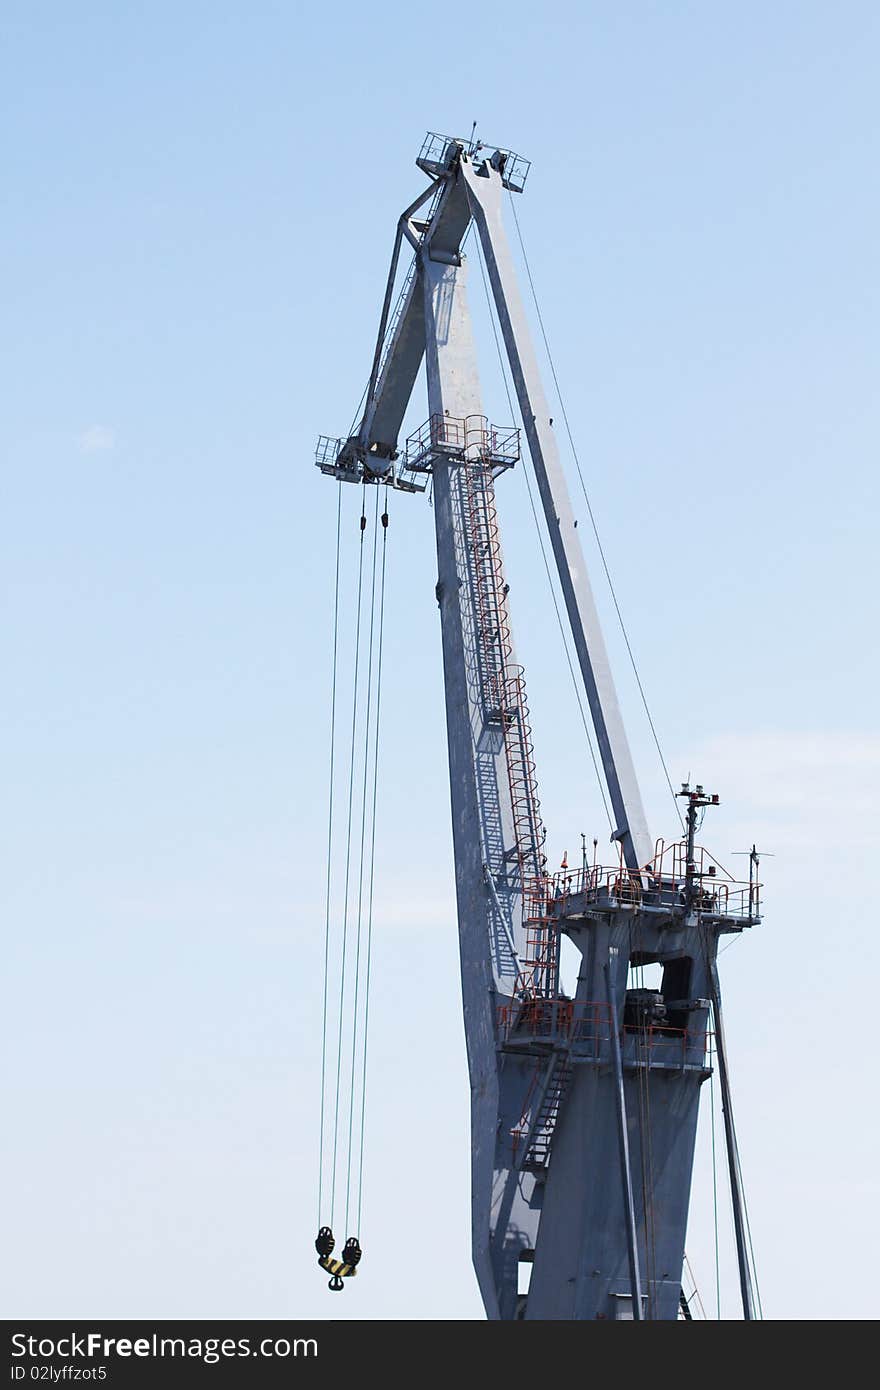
(584, 1108)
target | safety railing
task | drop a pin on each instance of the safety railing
(436, 150)
(600, 883)
(661, 883)
(327, 449)
(670, 861)
(555, 1018)
(472, 439)
(514, 170)
(586, 1028)
(435, 156)
(658, 1044)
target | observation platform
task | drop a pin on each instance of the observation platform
(582, 1030)
(472, 439)
(349, 461)
(469, 440)
(439, 155)
(670, 892)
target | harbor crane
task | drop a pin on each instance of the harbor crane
(584, 1106)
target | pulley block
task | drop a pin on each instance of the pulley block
(339, 1270)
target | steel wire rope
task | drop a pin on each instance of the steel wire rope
(715, 1188)
(357, 412)
(351, 427)
(352, 761)
(750, 1252)
(732, 942)
(391, 319)
(748, 1227)
(696, 1293)
(599, 545)
(561, 625)
(329, 853)
(751, 1264)
(375, 782)
(713, 1051)
(360, 901)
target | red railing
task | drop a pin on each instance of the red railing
(588, 1026)
(666, 879)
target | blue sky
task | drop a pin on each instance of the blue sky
(199, 204)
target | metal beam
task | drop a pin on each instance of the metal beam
(394, 376)
(402, 225)
(736, 1189)
(485, 189)
(384, 412)
(453, 388)
(629, 1208)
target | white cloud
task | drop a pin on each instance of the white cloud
(96, 439)
(807, 792)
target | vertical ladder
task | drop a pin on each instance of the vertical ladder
(503, 691)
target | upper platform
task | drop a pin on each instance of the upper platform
(439, 155)
(672, 890)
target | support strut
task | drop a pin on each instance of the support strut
(623, 1145)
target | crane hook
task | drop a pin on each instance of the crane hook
(342, 1269)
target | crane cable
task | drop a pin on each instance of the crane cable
(750, 1249)
(715, 1185)
(599, 545)
(392, 318)
(329, 854)
(360, 901)
(375, 780)
(696, 1295)
(353, 954)
(748, 1227)
(352, 762)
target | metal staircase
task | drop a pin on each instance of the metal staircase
(503, 690)
(541, 1133)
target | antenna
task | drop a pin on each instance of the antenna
(754, 886)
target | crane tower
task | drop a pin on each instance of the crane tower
(583, 1108)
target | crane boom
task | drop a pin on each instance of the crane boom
(485, 191)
